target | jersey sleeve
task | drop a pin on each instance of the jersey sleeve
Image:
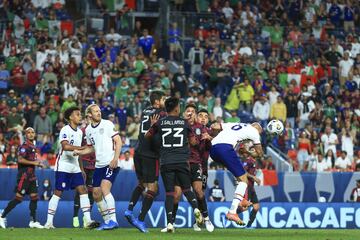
(64, 135)
(111, 129)
(22, 151)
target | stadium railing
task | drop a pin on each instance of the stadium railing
(279, 159)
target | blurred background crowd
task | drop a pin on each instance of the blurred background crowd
(293, 60)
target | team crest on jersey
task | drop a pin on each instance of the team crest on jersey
(63, 184)
(64, 135)
(22, 150)
(101, 131)
(23, 192)
(197, 131)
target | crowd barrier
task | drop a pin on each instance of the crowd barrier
(284, 187)
(271, 215)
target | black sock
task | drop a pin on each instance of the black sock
(76, 204)
(169, 206)
(11, 205)
(146, 204)
(135, 196)
(33, 207)
(252, 217)
(190, 196)
(203, 207)
(176, 206)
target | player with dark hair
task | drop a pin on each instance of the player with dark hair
(249, 164)
(69, 172)
(88, 162)
(175, 135)
(26, 180)
(146, 160)
(196, 167)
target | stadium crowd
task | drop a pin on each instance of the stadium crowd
(297, 61)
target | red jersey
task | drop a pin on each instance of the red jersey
(28, 151)
(249, 165)
(196, 151)
(89, 159)
(18, 76)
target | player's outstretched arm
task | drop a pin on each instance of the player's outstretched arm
(118, 145)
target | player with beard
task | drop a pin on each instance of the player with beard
(146, 160)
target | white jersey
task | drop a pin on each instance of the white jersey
(66, 161)
(101, 138)
(234, 133)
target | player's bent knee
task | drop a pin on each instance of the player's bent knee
(19, 197)
(34, 197)
(97, 195)
(82, 189)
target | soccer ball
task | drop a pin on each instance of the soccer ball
(275, 127)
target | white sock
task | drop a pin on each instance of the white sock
(110, 201)
(103, 209)
(53, 203)
(238, 197)
(85, 207)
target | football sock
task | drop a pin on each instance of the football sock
(85, 207)
(11, 205)
(91, 198)
(176, 206)
(103, 209)
(135, 196)
(110, 201)
(76, 204)
(169, 205)
(146, 204)
(33, 207)
(203, 207)
(238, 196)
(252, 217)
(53, 203)
(190, 196)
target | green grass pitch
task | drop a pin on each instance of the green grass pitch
(186, 234)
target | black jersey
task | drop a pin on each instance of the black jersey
(145, 147)
(174, 133)
(28, 151)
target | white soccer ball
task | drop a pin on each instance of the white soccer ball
(275, 127)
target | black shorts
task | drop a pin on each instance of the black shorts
(204, 181)
(196, 172)
(252, 197)
(176, 174)
(26, 184)
(146, 168)
(89, 178)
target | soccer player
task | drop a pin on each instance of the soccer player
(249, 164)
(26, 180)
(222, 151)
(146, 160)
(69, 172)
(175, 135)
(102, 139)
(88, 162)
(196, 168)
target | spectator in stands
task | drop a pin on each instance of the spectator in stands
(127, 163)
(146, 44)
(121, 114)
(291, 109)
(305, 106)
(304, 149)
(4, 78)
(343, 163)
(196, 58)
(321, 165)
(233, 118)
(43, 127)
(47, 190)
(261, 110)
(216, 193)
(345, 68)
(174, 36)
(15, 121)
(12, 158)
(329, 140)
(278, 110)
